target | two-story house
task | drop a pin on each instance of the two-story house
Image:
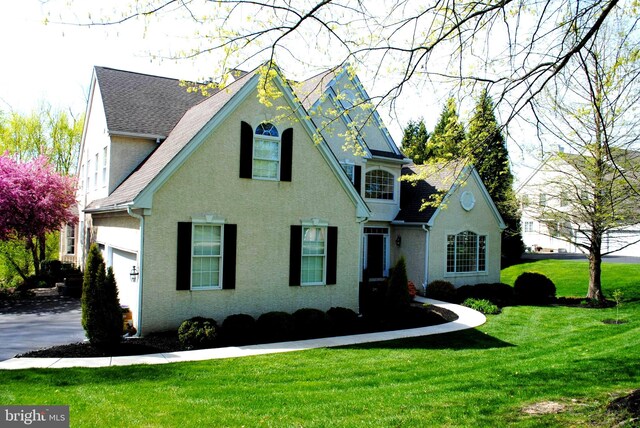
(222, 205)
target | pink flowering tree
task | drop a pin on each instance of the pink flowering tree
(34, 200)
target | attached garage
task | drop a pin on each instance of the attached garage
(122, 263)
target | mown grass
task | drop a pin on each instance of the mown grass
(571, 277)
(481, 377)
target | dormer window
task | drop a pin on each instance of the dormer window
(379, 184)
(266, 152)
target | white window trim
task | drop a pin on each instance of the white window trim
(469, 273)
(254, 158)
(319, 225)
(207, 221)
(95, 173)
(104, 166)
(352, 165)
(396, 190)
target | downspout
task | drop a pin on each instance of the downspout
(361, 221)
(140, 269)
(426, 256)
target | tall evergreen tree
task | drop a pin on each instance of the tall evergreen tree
(446, 140)
(487, 150)
(414, 141)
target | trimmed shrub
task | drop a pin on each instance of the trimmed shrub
(342, 320)
(310, 323)
(238, 329)
(275, 326)
(198, 333)
(441, 290)
(101, 313)
(532, 288)
(497, 293)
(398, 298)
(482, 305)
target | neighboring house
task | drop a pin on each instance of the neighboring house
(222, 205)
(552, 187)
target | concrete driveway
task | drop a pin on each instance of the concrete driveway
(44, 321)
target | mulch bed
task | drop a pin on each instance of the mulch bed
(168, 341)
(627, 406)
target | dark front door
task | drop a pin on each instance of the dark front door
(375, 256)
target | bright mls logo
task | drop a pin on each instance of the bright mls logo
(34, 416)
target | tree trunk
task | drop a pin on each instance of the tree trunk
(42, 247)
(31, 245)
(595, 270)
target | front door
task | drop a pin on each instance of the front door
(376, 252)
(375, 256)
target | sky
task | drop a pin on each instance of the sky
(53, 63)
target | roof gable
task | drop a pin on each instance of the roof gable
(141, 104)
(191, 131)
(442, 180)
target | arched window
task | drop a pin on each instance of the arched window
(379, 184)
(466, 252)
(266, 152)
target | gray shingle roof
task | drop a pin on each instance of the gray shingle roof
(183, 132)
(440, 179)
(142, 104)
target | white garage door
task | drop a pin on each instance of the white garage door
(122, 262)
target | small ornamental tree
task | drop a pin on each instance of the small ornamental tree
(34, 200)
(101, 313)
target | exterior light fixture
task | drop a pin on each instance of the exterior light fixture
(134, 274)
(399, 240)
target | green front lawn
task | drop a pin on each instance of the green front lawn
(571, 277)
(481, 377)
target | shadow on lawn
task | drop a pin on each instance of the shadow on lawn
(467, 339)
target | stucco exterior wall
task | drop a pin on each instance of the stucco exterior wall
(453, 219)
(412, 247)
(125, 155)
(118, 231)
(208, 183)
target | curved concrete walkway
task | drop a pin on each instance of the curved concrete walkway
(467, 318)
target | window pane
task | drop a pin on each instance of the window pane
(313, 254)
(206, 240)
(482, 253)
(267, 129)
(451, 255)
(265, 149)
(379, 185)
(312, 269)
(265, 169)
(205, 272)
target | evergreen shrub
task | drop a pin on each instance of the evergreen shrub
(532, 288)
(275, 326)
(441, 290)
(310, 323)
(238, 329)
(198, 333)
(101, 313)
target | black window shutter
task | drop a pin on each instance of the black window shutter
(357, 177)
(229, 257)
(332, 254)
(246, 150)
(286, 154)
(295, 258)
(183, 272)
